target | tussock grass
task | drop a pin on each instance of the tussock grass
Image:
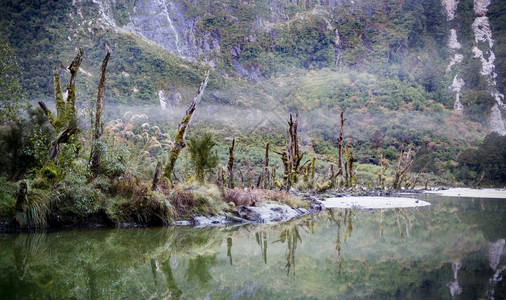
(282, 197)
(34, 212)
(145, 206)
(242, 197)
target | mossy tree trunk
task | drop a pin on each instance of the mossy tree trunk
(65, 121)
(340, 148)
(402, 168)
(97, 131)
(266, 168)
(179, 143)
(230, 165)
(291, 158)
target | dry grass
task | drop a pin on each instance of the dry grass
(241, 197)
(282, 197)
(146, 206)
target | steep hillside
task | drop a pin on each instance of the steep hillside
(444, 48)
(428, 74)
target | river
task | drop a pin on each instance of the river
(453, 249)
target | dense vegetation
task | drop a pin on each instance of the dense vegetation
(387, 74)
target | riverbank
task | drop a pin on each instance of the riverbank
(272, 212)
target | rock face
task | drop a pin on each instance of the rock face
(164, 23)
(483, 51)
(483, 38)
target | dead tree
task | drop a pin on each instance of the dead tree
(230, 165)
(340, 150)
(291, 157)
(157, 176)
(266, 167)
(349, 174)
(65, 121)
(179, 143)
(402, 168)
(97, 131)
(248, 173)
(382, 174)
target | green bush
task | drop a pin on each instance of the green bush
(7, 199)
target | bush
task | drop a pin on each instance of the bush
(7, 199)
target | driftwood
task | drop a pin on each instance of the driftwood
(97, 131)
(179, 143)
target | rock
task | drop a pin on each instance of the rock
(205, 221)
(268, 213)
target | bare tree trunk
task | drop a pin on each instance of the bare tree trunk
(248, 173)
(291, 157)
(97, 132)
(230, 165)
(179, 143)
(402, 168)
(266, 167)
(340, 146)
(71, 89)
(158, 176)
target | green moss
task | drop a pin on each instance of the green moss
(50, 172)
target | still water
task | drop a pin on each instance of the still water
(454, 249)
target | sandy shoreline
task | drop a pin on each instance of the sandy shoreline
(372, 202)
(401, 202)
(472, 193)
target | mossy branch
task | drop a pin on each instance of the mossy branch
(65, 122)
(179, 143)
(230, 165)
(97, 132)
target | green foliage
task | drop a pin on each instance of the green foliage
(23, 144)
(202, 156)
(11, 92)
(7, 199)
(488, 159)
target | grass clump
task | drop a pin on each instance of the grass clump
(282, 197)
(145, 207)
(197, 199)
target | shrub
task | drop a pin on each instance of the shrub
(7, 200)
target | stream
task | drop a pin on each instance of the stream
(453, 249)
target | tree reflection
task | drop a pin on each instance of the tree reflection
(229, 249)
(338, 220)
(398, 213)
(198, 269)
(261, 238)
(292, 238)
(175, 292)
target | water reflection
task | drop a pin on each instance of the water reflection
(455, 249)
(261, 239)
(454, 286)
